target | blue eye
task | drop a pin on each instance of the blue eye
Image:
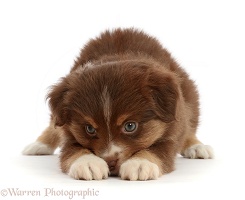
(130, 127)
(90, 129)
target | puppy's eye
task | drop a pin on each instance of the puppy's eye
(90, 130)
(130, 127)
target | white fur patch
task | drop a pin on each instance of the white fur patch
(139, 169)
(37, 148)
(88, 65)
(199, 151)
(84, 67)
(112, 151)
(89, 167)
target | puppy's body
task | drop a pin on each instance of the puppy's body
(126, 108)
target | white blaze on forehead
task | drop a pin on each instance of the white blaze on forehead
(112, 150)
(106, 101)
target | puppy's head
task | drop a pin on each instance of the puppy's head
(115, 109)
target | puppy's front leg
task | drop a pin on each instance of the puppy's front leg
(142, 166)
(149, 163)
(81, 163)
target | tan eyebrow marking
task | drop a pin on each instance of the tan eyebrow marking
(121, 119)
(91, 121)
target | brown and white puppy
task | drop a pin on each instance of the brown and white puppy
(126, 109)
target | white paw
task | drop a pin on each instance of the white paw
(199, 151)
(139, 169)
(37, 148)
(89, 167)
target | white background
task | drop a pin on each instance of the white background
(39, 41)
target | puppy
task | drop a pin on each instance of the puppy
(126, 108)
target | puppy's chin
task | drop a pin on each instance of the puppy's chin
(115, 171)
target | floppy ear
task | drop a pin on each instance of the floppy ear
(165, 94)
(58, 102)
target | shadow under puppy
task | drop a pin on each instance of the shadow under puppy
(126, 108)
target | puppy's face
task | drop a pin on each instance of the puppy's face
(115, 111)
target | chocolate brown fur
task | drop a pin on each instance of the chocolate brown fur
(124, 76)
